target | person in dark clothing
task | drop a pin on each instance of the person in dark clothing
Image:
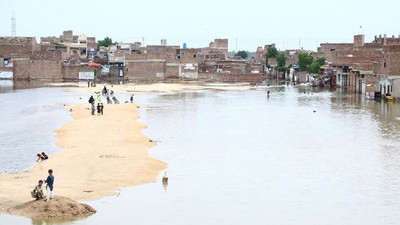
(104, 91)
(91, 99)
(45, 156)
(101, 108)
(98, 108)
(132, 98)
(40, 157)
(49, 187)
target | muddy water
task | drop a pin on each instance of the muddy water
(301, 156)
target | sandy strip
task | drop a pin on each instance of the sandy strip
(100, 154)
(161, 87)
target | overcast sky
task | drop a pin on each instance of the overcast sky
(247, 24)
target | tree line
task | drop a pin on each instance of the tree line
(306, 61)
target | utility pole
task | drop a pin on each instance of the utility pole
(143, 41)
(236, 46)
(13, 26)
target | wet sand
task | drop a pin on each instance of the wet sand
(99, 155)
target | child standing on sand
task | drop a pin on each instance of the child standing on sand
(49, 187)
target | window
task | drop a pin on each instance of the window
(384, 64)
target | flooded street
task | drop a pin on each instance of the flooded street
(301, 156)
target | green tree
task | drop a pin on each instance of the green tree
(281, 59)
(305, 60)
(242, 54)
(56, 43)
(271, 53)
(106, 42)
(315, 67)
(321, 61)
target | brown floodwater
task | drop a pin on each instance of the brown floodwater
(302, 156)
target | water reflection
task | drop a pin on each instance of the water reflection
(58, 221)
(6, 86)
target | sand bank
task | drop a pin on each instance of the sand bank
(58, 207)
(99, 155)
(161, 87)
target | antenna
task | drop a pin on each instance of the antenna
(236, 44)
(13, 29)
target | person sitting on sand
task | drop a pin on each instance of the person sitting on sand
(38, 191)
(40, 157)
(45, 156)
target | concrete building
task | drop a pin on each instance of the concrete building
(77, 46)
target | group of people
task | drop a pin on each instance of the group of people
(108, 93)
(37, 192)
(42, 156)
(100, 106)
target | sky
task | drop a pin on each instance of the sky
(247, 24)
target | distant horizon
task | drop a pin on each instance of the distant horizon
(247, 26)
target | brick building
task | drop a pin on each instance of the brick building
(15, 48)
(159, 62)
(365, 67)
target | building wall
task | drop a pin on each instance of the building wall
(352, 81)
(150, 70)
(14, 47)
(67, 36)
(359, 40)
(162, 52)
(393, 63)
(330, 47)
(172, 70)
(91, 43)
(45, 69)
(396, 88)
(372, 83)
(71, 72)
(225, 77)
(21, 69)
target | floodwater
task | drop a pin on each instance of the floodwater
(238, 157)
